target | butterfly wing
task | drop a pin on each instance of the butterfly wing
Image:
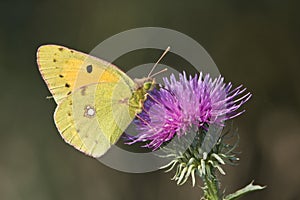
(92, 97)
(95, 116)
(65, 70)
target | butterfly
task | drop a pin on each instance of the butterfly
(96, 101)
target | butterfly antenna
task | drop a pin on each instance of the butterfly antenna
(155, 74)
(161, 57)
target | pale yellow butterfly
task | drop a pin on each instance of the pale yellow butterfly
(96, 100)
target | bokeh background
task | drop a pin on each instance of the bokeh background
(252, 42)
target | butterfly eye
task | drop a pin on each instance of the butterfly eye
(147, 85)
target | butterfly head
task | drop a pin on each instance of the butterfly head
(145, 84)
(148, 85)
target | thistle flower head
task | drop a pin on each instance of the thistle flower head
(189, 102)
(196, 107)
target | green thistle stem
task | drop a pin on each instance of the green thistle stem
(211, 187)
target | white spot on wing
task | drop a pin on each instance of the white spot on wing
(89, 111)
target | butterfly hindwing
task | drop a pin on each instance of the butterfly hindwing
(94, 116)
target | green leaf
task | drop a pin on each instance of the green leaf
(241, 192)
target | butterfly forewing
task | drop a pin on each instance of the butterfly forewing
(65, 70)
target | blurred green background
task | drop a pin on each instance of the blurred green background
(255, 43)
